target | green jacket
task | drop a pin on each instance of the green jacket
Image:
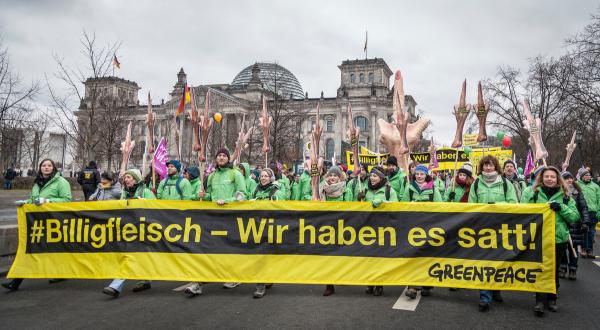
(294, 190)
(591, 193)
(250, 183)
(354, 187)
(195, 183)
(492, 193)
(397, 182)
(459, 191)
(519, 186)
(225, 183)
(378, 195)
(418, 195)
(439, 184)
(304, 188)
(284, 184)
(167, 189)
(56, 190)
(141, 192)
(568, 212)
(272, 192)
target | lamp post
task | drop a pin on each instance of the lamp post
(579, 141)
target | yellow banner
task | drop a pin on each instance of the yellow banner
(470, 140)
(478, 246)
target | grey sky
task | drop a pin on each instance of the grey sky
(436, 44)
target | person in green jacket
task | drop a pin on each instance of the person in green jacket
(224, 185)
(267, 189)
(294, 183)
(285, 183)
(549, 188)
(422, 188)
(363, 178)
(244, 168)
(591, 193)
(510, 173)
(438, 183)
(192, 174)
(396, 177)
(134, 188)
(174, 186)
(490, 187)
(458, 190)
(304, 187)
(48, 187)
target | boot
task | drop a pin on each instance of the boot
(411, 293)
(484, 306)
(141, 286)
(261, 291)
(497, 296)
(13, 285)
(329, 290)
(369, 289)
(551, 305)
(572, 275)
(111, 292)
(562, 272)
(378, 290)
(426, 291)
(538, 309)
(194, 289)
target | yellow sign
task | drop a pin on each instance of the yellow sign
(470, 140)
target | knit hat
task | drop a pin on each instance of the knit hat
(365, 167)
(337, 171)
(538, 171)
(422, 168)
(379, 171)
(566, 175)
(467, 169)
(508, 161)
(175, 163)
(135, 174)
(582, 172)
(223, 151)
(193, 171)
(392, 161)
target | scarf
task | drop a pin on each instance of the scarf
(467, 188)
(41, 181)
(381, 183)
(489, 178)
(332, 190)
(572, 190)
(549, 192)
(130, 191)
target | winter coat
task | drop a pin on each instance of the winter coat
(89, 178)
(105, 194)
(458, 191)
(284, 186)
(591, 192)
(250, 183)
(576, 229)
(225, 183)
(519, 185)
(492, 193)
(195, 183)
(270, 192)
(568, 213)
(397, 181)
(378, 195)
(141, 192)
(294, 190)
(304, 187)
(356, 189)
(440, 185)
(56, 190)
(418, 195)
(167, 189)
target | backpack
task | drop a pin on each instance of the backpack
(177, 184)
(504, 186)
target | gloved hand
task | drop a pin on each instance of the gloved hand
(360, 196)
(20, 203)
(555, 206)
(376, 203)
(40, 201)
(451, 195)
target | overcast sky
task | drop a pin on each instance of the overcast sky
(436, 44)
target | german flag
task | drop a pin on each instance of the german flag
(116, 62)
(185, 99)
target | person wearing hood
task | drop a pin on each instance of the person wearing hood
(284, 183)
(89, 179)
(591, 192)
(438, 183)
(550, 189)
(174, 186)
(108, 189)
(396, 178)
(490, 187)
(363, 178)
(459, 188)
(304, 185)
(192, 174)
(134, 188)
(48, 187)
(224, 185)
(244, 168)
(577, 230)
(510, 173)
(421, 189)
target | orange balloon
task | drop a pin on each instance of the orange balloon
(217, 117)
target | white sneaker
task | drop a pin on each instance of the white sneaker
(194, 290)
(231, 285)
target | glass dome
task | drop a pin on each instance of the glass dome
(274, 77)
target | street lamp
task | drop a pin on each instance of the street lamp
(579, 141)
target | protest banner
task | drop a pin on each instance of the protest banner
(478, 246)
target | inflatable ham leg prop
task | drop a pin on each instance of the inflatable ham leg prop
(461, 112)
(353, 135)
(126, 148)
(534, 126)
(205, 124)
(195, 125)
(570, 148)
(265, 123)
(149, 136)
(481, 111)
(315, 162)
(241, 143)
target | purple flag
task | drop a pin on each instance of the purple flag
(161, 156)
(529, 164)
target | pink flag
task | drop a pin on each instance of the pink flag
(529, 164)
(161, 156)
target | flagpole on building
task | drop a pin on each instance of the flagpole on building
(366, 43)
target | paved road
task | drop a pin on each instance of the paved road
(80, 304)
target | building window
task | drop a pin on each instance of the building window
(352, 78)
(329, 148)
(362, 78)
(371, 77)
(329, 124)
(362, 123)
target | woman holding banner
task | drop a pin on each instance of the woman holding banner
(267, 188)
(490, 188)
(550, 188)
(48, 187)
(458, 190)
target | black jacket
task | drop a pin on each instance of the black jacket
(576, 229)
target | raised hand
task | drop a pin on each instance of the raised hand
(481, 111)
(570, 148)
(461, 112)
